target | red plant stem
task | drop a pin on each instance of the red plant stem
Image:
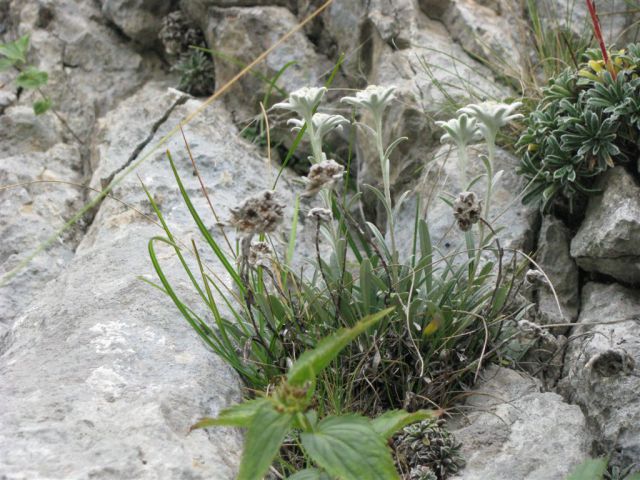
(598, 32)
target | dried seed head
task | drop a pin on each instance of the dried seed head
(610, 363)
(261, 213)
(259, 254)
(467, 210)
(323, 175)
(535, 277)
(320, 214)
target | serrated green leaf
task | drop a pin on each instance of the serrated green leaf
(262, 442)
(42, 106)
(349, 448)
(387, 424)
(32, 78)
(310, 474)
(312, 362)
(592, 469)
(16, 51)
(239, 415)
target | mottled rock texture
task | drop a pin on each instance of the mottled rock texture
(508, 434)
(601, 368)
(607, 241)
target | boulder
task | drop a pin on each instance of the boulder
(513, 431)
(554, 259)
(140, 20)
(100, 376)
(601, 369)
(607, 241)
(239, 35)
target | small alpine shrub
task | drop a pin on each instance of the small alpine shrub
(587, 121)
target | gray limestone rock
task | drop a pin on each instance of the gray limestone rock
(554, 258)
(140, 20)
(601, 368)
(607, 241)
(101, 377)
(513, 431)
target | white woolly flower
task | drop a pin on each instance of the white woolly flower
(460, 131)
(374, 98)
(320, 214)
(323, 123)
(303, 101)
(492, 116)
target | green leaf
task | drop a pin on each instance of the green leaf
(239, 415)
(387, 424)
(32, 78)
(6, 64)
(349, 448)
(309, 474)
(592, 469)
(42, 106)
(312, 362)
(262, 442)
(635, 476)
(16, 51)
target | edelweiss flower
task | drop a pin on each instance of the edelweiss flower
(492, 116)
(461, 131)
(261, 213)
(303, 101)
(323, 175)
(259, 254)
(374, 98)
(320, 214)
(323, 123)
(467, 210)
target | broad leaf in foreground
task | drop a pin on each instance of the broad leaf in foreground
(592, 469)
(349, 448)
(262, 442)
(387, 424)
(239, 415)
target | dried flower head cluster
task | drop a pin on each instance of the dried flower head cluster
(427, 448)
(610, 363)
(260, 254)
(320, 214)
(261, 213)
(467, 210)
(323, 175)
(535, 277)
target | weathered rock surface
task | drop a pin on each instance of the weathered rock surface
(607, 241)
(554, 258)
(513, 431)
(90, 66)
(140, 20)
(240, 35)
(600, 375)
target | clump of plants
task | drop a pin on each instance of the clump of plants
(443, 314)
(587, 121)
(184, 46)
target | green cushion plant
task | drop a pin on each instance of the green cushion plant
(588, 121)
